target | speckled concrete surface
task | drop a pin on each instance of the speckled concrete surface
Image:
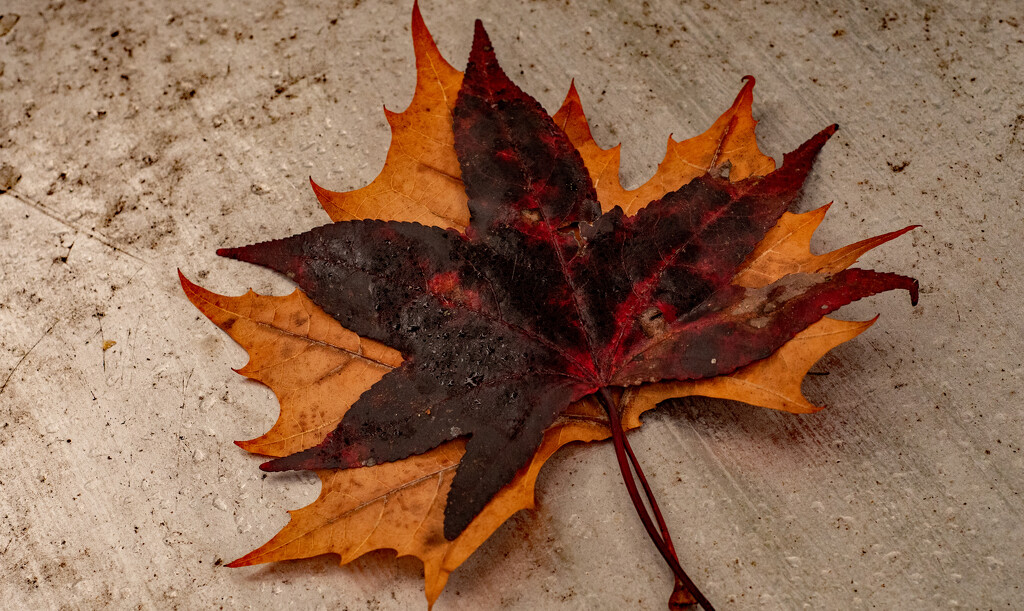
(148, 134)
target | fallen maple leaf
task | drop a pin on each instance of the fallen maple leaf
(319, 369)
(544, 300)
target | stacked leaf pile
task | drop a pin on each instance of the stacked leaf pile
(495, 293)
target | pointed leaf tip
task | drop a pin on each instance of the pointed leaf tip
(315, 458)
(324, 198)
(317, 189)
(573, 95)
(419, 27)
(482, 47)
(800, 160)
(291, 462)
(424, 45)
(191, 288)
(746, 92)
(263, 253)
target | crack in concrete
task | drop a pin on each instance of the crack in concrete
(25, 356)
(99, 237)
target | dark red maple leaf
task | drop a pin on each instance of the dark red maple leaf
(544, 300)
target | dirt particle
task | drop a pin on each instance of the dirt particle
(7, 23)
(653, 323)
(9, 177)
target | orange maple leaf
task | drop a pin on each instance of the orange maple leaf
(318, 369)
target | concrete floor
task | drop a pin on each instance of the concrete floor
(148, 134)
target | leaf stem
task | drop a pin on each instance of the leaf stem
(680, 595)
(659, 535)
